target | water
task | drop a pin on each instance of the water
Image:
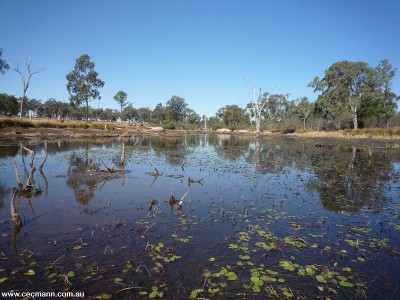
(273, 217)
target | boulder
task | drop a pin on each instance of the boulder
(223, 130)
(242, 131)
(156, 129)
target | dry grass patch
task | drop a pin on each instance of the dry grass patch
(353, 133)
(55, 124)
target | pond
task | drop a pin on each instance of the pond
(201, 216)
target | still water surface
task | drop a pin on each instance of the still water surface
(273, 217)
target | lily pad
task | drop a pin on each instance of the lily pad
(30, 272)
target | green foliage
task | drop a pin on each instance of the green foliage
(143, 114)
(8, 105)
(4, 66)
(122, 99)
(232, 116)
(83, 82)
(358, 88)
(176, 106)
(169, 124)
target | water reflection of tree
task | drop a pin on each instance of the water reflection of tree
(15, 205)
(350, 178)
(230, 147)
(347, 178)
(3, 195)
(83, 184)
(9, 151)
(174, 149)
(272, 156)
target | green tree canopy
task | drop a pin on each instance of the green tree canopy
(122, 99)
(159, 113)
(177, 107)
(143, 114)
(129, 113)
(345, 83)
(83, 82)
(8, 105)
(4, 66)
(384, 76)
(233, 116)
(304, 109)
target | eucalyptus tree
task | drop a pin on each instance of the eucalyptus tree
(159, 113)
(304, 109)
(144, 114)
(4, 66)
(257, 106)
(346, 83)
(177, 105)
(192, 117)
(232, 116)
(122, 99)
(384, 75)
(8, 105)
(25, 80)
(50, 108)
(129, 113)
(83, 83)
(33, 105)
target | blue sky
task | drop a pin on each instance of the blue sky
(199, 50)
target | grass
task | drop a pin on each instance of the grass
(372, 132)
(55, 124)
(353, 133)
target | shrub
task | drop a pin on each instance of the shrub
(169, 125)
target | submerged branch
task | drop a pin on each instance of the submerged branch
(44, 159)
(155, 169)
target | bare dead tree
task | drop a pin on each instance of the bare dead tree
(25, 79)
(257, 106)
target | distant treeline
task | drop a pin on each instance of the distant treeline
(350, 95)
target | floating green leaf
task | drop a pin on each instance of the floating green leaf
(288, 265)
(30, 272)
(71, 274)
(362, 259)
(347, 269)
(233, 246)
(345, 284)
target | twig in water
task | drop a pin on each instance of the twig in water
(129, 288)
(179, 205)
(57, 259)
(148, 228)
(156, 173)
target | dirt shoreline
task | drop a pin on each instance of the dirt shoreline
(20, 134)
